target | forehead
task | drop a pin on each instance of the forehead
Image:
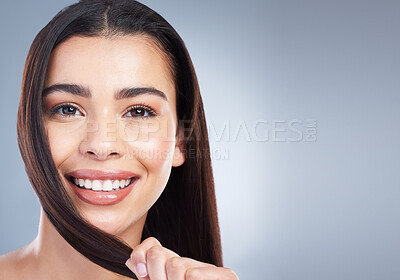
(105, 64)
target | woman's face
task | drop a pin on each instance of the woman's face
(110, 117)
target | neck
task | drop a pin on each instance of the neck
(55, 259)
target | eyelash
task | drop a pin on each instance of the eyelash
(54, 111)
(146, 107)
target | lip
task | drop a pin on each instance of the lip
(93, 174)
(102, 197)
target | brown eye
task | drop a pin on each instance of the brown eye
(140, 111)
(66, 110)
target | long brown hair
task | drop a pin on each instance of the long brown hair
(184, 218)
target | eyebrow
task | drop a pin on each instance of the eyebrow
(118, 95)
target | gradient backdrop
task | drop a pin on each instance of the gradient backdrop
(302, 101)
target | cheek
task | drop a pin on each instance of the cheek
(62, 141)
(152, 141)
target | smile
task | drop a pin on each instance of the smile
(99, 187)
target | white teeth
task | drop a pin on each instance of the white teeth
(81, 182)
(107, 186)
(97, 185)
(115, 184)
(88, 184)
(122, 183)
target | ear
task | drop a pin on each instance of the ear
(179, 150)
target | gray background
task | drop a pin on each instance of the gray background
(290, 206)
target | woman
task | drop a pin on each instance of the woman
(112, 132)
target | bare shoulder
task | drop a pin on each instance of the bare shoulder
(12, 264)
(8, 265)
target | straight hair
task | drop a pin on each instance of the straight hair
(184, 218)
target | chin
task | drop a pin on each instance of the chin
(119, 224)
(109, 222)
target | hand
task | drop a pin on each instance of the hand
(150, 261)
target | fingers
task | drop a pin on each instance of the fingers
(148, 260)
(137, 261)
(151, 261)
(176, 267)
(156, 258)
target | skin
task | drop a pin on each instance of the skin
(102, 133)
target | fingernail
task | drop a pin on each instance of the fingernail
(141, 270)
(129, 264)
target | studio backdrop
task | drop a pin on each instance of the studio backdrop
(302, 106)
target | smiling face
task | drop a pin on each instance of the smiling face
(110, 117)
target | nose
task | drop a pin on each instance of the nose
(101, 141)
